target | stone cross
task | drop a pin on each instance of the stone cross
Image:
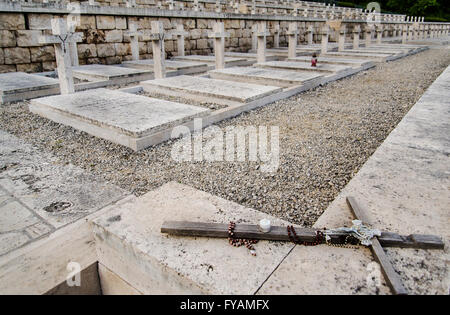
(253, 11)
(379, 33)
(368, 35)
(276, 36)
(157, 36)
(261, 35)
(71, 26)
(171, 4)
(356, 31)
(341, 43)
(254, 38)
(219, 35)
(196, 6)
(180, 33)
(218, 6)
(310, 34)
(405, 34)
(134, 40)
(325, 32)
(292, 33)
(411, 33)
(61, 39)
(131, 3)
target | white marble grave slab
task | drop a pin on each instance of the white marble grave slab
(120, 117)
(17, 86)
(205, 89)
(103, 72)
(303, 66)
(267, 76)
(180, 67)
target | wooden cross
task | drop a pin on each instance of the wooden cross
(157, 36)
(180, 33)
(134, 40)
(219, 35)
(61, 39)
(292, 35)
(279, 233)
(325, 31)
(261, 35)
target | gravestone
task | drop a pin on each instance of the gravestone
(356, 31)
(276, 36)
(261, 34)
(211, 90)
(157, 37)
(61, 39)
(310, 34)
(18, 86)
(134, 40)
(180, 33)
(267, 76)
(325, 32)
(175, 67)
(292, 34)
(379, 33)
(123, 118)
(368, 30)
(342, 33)
(219, 35)
(120, 75)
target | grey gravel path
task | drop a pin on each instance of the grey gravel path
(326, 136)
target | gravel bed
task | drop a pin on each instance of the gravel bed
(326, 135)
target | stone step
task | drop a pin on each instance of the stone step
(210, 90)
(131, 246)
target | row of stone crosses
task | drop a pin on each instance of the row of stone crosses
(292, 7)
(65, 41)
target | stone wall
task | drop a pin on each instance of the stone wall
(105, 40)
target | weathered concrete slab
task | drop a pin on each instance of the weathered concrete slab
(130, 244)
(359, 55)
(38, 195)
(218, 91)
(180, 67)
(336, 61)
(211, 60)
(120, 117)
(404, 187)
(267, 76)
(303, 66)
(116, 73)
(17, 86)
(249, 56)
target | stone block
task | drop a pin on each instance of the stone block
(189, 24)
(87, 50)
(122, 49)
(202, 23)
(105, 50)
(195, 34)
(17, 55)
(121, 23)
(202, 43)
(87, 22)
(7, 38)
(113, 60)
(12, 21)
(43, 53)
(93, 36)
(105, 22)
(48, 65)
(30, 67)
(39, 21)
(2, 56)
(7, 68)
(27, 38)
(143, 47)
(114, 36)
